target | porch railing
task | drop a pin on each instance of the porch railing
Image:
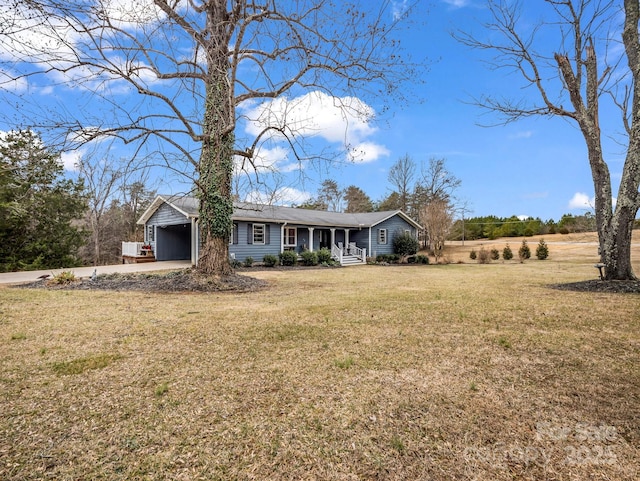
(353, 250)
(338, 252)
(132, 249)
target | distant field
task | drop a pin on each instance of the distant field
(460, 371)
(581, 247)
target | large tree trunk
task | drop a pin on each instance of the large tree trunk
(614, 228)
(216, 159)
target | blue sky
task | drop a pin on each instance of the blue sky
(536, 167)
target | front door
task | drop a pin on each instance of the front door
(325, 239)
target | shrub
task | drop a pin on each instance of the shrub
(269, 260)
(422, 259)
(405, 244)
(309, 258)
(524, 252)
(64, 278)
(473, 255)
(507, 253)
(248, 261)
(324, 256)
(484, 256)
(388, 258)
(542, 251)
(288, 258)
(495, 254)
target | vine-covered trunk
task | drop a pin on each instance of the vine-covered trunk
(216, 158)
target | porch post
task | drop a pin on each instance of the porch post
(195, 242)
(311, 238)
(282, 237)
(333, 237)
(346, 238)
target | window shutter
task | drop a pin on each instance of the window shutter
(235, 233)
(267, 230)
(249, 233)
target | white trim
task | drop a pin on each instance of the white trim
(285, 237)
(383, 233)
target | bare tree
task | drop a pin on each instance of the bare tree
(116, 194)
(401, 176)
(437, 219)
(101, 178)
(571, 83)
(437, 181)
(180, 76)
(434, 191)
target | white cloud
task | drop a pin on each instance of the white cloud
(335, 119)
(265, 160)
(457, 3)
(71, 160)
(523, 134)
(33, 37)
(524, 217)
(581, 200)
(345, 121)
(132, 14)
(399, 8)
(283, 196)
(367, 152)
(10, 83)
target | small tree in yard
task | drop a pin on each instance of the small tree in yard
(542, 251)
(524, 252)
(405, 245)
(507, 253)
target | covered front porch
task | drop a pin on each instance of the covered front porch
(342, 243)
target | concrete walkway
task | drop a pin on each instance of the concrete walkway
(30, 276)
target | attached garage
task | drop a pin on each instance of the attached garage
(171, 228)
(173, 242)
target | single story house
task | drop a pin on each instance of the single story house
(171, 231)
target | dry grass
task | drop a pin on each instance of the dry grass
(399, 372)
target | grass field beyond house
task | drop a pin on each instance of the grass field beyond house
(461, 372)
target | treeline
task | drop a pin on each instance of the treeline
(493, 227)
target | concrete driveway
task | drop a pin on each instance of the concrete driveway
(30, 276)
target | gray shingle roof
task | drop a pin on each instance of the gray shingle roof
(248, 212)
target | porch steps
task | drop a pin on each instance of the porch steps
(350, 260)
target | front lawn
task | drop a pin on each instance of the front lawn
(371, 372)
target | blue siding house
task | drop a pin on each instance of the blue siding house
(171, 230)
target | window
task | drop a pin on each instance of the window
(258, 234)
(150, 234)
(290, 235)
(233, 238)
(382, 236)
